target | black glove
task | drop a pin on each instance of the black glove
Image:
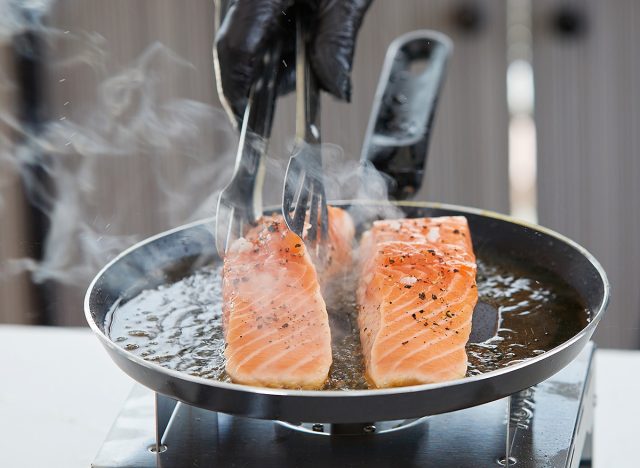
(247, 28)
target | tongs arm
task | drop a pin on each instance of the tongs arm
(240, 202)
(255, 133)
(307, 93)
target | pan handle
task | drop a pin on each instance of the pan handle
(399, 128)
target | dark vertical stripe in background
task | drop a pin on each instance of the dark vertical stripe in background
(30, 75)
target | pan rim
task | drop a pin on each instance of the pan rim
(376, 392)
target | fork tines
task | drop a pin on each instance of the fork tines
(304, 196)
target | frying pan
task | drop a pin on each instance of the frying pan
(179, 252)
(395, 144)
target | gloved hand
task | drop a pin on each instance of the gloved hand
(247, 28)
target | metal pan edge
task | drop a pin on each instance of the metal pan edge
(354, 405)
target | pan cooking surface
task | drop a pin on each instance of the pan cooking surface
(179, 325)
(182, 320)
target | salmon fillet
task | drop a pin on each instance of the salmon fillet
(337, 259)
(416, 296)
(275, 319)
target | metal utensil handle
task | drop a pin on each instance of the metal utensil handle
(307, 92)
(304, 178)
(399, 129)
(255, 132)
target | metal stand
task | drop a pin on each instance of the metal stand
(548, 425)
(356, 429)
(165, 408)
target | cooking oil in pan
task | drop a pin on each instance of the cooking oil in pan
(179, 326)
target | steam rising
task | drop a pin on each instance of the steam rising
(347, 179)
(174, 153)
(185, 148)
(13, 20)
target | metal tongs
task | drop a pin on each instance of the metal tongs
(304, 198)
(240, 202)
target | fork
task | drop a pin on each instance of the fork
(240, 202)
(304, 186)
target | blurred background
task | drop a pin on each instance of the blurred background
(110, 131)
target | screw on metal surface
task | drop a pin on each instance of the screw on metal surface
(154, 449)
(317, 428)
(502, 461)
(369, 429)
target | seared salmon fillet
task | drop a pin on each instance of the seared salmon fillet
(416, 296)
(338, 258)
(275, 319)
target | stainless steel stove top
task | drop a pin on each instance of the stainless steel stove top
(550, 425)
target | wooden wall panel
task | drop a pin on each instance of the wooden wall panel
(468, 152)
(587, 109)
(15, 299)
(152, 165)
(16, 305)
(468, 162)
